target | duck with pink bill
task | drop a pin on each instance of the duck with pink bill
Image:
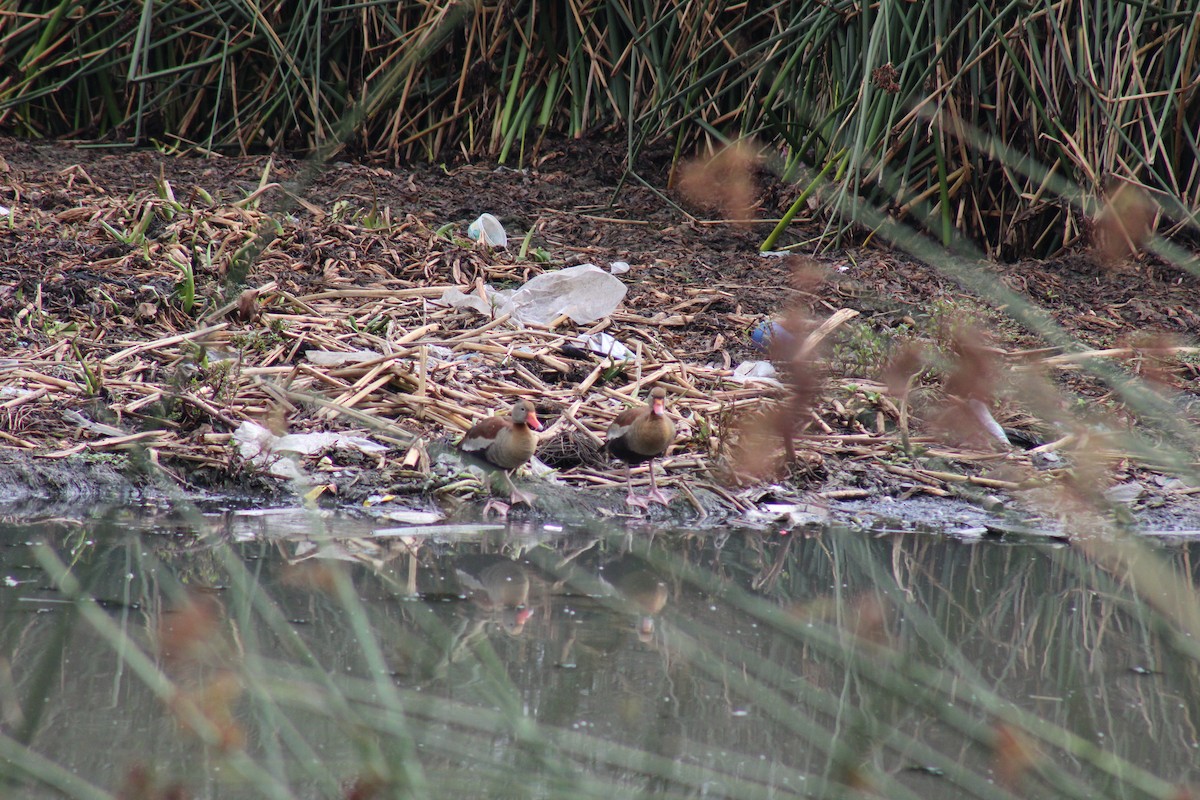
(505, 442)
(639, 435)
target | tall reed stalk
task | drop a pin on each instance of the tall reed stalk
(1093, 92)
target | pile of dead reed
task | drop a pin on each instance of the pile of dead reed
(125, 335)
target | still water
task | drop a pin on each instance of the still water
(229, 655)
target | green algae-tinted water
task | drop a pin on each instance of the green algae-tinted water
(322, 658)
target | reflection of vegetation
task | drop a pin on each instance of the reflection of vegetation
(911, 666)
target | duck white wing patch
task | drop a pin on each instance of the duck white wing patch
(475, 444)
(469, 581)
(616, 430)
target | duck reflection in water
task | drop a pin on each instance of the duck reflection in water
(638, 589)
(498, 587)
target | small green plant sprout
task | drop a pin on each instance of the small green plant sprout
(377, 326)
(136, 236)
(166, 193)
(523, 250)
(54, 328)
(254, 199)
(185, 288)
(197, 353)
(616, 370)
(537, 254)
(373, 217)
(92, 382)
(243, 259)
(862, 350)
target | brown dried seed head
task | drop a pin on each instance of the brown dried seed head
(217, 704)
(1012, 755)
(906, 362)
(855, 777)
(870, 618)
(808, 274)
(311, 575)
(724, 181)
(974, 374)
(1126, 222)
(189, 632)
(366, 788)
(141, 784)
(213, 698)
(886, 78)
(756, 452)
(1154, 358)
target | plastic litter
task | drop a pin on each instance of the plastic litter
(216, 356)
(618, 267)
(1124, 493)
(605, 345)
(12, 391)
(450, 529)
(584, 293)
(456, 298)
(768, 334)
(308, 443)
(5, 211)
(488, 231)
(786, 253)
(413, 517)
(760, 371)
(337, 358)
(988, 422)
(789, 513)
(75, 418)
(279, 453)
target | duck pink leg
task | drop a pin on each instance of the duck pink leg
(494, 505)
(655, 495)
(518, 496)
(632, 499)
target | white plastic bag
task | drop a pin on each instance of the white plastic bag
(584, 293)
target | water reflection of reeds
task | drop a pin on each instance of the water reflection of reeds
(742, 664)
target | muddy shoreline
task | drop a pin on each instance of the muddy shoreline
(79, 488)
(130, 364)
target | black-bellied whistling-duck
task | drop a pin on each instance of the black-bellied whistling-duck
(642, 591)
(639, 435)
(498, 586)
(505, 442)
